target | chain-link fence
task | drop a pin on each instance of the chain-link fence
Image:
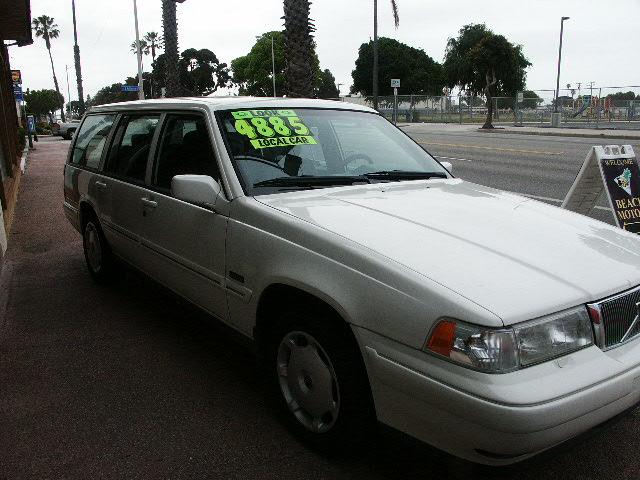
(598, 108)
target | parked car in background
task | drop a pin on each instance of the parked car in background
(66, 130)
(375, 285)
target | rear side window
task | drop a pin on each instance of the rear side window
(185, 148)
(130, 150)
(91, 139)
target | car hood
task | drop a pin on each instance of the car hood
(514, 256)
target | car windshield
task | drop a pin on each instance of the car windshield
(303, 148)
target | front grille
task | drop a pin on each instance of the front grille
(618, 320)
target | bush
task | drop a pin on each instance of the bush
(22, 139)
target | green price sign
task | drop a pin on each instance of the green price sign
(272, 128)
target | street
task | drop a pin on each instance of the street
(126, 381)
(541, 167)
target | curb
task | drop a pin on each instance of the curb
(6, 274)
(562, 134)
(23, 158)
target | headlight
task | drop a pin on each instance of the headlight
(504, 350)
(554, 335)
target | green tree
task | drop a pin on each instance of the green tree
(199, 72)
(300, 49)
(375, 69)
(76, 60)
(253, 72)
(623, 95)
(149, 45)
(46, 28)
(154, 42)
(114, 94)
(43, 102)
(327, 87)
(420, 74)
(530, 99)
(74, 108)
(479, 61)
(144, 48)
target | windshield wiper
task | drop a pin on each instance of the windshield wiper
(404, 175)
(311, 181)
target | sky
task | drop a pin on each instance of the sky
(600, 41)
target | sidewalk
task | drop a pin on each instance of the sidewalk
(568, 132)
(629, 135)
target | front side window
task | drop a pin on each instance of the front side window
(91, 139)
(130, 150)
(277, 150)
(185, 148)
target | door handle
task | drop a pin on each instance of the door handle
(101, 185)
(149, 203)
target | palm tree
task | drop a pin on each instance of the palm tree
(144, 47)
(153, 40)
(148, 45)
(170, 32)
(396, 20)
(45, 27)
(299, 48)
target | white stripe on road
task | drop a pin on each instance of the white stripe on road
(453, 158)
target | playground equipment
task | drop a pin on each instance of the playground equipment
(587, 101)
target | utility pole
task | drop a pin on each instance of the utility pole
(76, 57)
(555, 109)
(138, 52)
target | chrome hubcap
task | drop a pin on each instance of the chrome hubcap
(93, 247)
(308, 381)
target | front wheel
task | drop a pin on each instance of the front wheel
(320, 378)
(97, 253)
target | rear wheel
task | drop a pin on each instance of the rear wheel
(319, 378)
(97, 253)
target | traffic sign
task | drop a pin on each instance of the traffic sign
(130, 88)
(519, 97)
(395, 83)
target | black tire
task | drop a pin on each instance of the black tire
(97, 254)
(354, 425)
(69, 134)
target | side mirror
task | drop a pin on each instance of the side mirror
(200, 190)
(448, 166)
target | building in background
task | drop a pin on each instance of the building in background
(15, 31)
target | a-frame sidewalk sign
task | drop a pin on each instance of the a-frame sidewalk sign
(613, 168)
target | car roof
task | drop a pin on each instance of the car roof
(230, 103)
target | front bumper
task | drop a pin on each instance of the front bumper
(473, 416)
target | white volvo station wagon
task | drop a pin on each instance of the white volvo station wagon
(376, 286)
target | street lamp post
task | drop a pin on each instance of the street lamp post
(555, 108)
(138, 52)
(66, 67)
(273, 67)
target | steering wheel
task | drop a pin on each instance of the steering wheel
(358, 156)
